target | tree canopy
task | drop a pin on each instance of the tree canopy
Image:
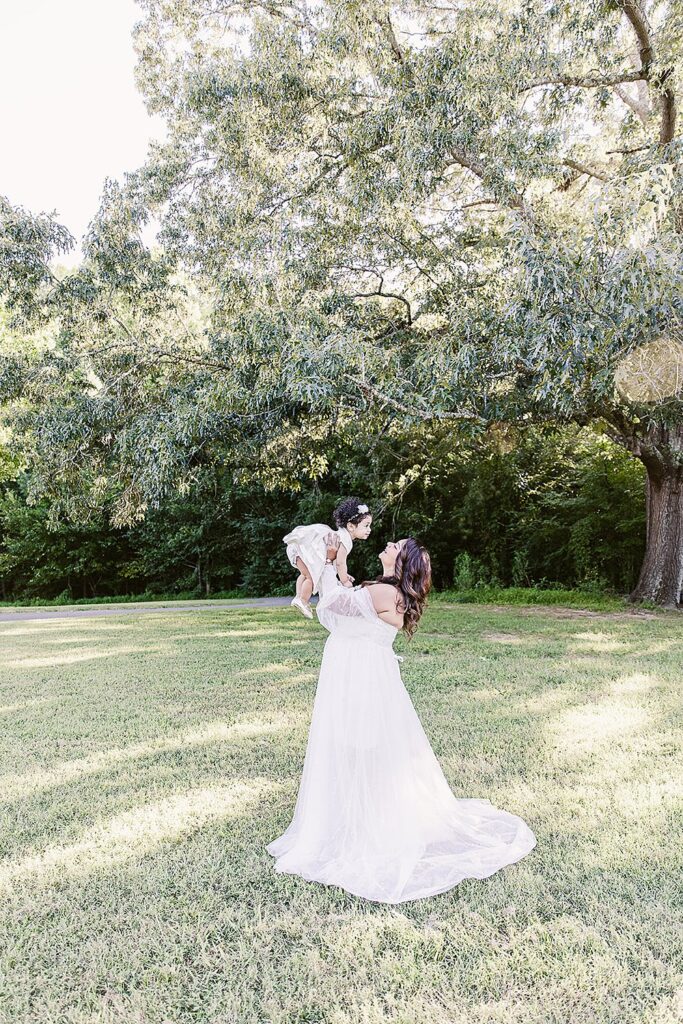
(456, 213)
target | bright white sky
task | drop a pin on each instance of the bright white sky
(69, 109)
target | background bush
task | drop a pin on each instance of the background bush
(544, 507)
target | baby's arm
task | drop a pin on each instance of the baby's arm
(344, 578)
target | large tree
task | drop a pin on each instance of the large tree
(462, 212)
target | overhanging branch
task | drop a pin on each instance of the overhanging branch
(370, 391)
(588, 81)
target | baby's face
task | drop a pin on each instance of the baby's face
(361, 530)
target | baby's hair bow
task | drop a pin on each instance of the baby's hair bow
(362, 508)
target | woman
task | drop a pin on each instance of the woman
(374, 813)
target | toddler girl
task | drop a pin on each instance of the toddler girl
(307, 549)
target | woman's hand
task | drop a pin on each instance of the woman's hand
(332, 541)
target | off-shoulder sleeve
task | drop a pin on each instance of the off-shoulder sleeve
(336, 601)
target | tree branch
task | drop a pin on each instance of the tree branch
(388, 31)
(632, 149)
(588, 82)
(384, 295)
(641, 109)
(584, 169)
(643, 30)
(477, 167)
(635, 13)
(370, 391)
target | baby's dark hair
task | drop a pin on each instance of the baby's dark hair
(347, 512)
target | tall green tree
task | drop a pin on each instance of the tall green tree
(471, 214)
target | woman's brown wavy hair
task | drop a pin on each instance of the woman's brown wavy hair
(413, 579)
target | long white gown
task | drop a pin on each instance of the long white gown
(374, 813)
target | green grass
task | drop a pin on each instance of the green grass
(147, 761)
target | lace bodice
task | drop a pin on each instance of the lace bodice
(350, 612)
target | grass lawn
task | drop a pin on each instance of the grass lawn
(146, 761)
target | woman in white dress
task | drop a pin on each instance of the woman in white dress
(374, 813)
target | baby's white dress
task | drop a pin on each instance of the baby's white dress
(308, 542)
(374, 812)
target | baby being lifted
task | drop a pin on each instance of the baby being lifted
(307, 550)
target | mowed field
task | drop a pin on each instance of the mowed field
(145, 761)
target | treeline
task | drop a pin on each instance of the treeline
(540, 507)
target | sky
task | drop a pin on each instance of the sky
(69, 109)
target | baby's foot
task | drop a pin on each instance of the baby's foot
(305, 609)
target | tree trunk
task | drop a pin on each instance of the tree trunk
(659, 446)
(661, 575)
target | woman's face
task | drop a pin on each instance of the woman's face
(388, 556)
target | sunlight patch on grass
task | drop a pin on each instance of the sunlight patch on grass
(76, 657)
(636, 797)
(213, 732)
(219, 633)
(139, 831)
(589, 728)
(550, 700)
(668, 1010)
(613, 796)
(268, 668)
(367, 938)
(659, 647)
(22, 705)
(294, 680)
(599, 643)
(583, 666)
(635, 682)
(46, 627)
(484, 693)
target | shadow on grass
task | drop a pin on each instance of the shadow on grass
(135, 833)
(110, 781)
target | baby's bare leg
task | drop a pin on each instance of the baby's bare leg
(304, 584)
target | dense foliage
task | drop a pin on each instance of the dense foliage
(542, 507)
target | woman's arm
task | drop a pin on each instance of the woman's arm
(335, 601)
(328, 582)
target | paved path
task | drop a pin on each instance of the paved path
(123, 609)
